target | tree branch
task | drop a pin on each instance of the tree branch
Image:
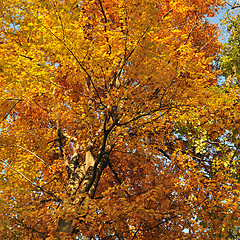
(57, 199)
(14, 105)
(74, 56)
(42, 235)
(105, 27)
(33, 155)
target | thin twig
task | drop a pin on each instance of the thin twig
(33, 155)
(34, 184)
(105, 27)
(74, 56)
(42, 235)
(14, 105)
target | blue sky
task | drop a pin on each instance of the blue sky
(217, 19)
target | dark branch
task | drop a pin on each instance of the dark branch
(105, 27)
(42, 235)
(7, 114)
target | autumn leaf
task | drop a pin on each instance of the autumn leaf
(112, 124)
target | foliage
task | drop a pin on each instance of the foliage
(112, 123)
(230, 63)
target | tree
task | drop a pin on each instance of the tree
(230, 60)
(230, 67)
(112, 122)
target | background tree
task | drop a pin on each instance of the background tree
(230, 67)
(112, 123)
(230, 60)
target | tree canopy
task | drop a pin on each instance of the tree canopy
(112, 122)
(230, 62)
